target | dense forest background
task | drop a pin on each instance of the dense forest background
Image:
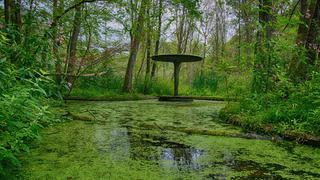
(264, 53)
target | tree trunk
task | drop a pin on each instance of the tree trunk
(142, 63)
(312, 44)
(148, 66)
(217, 32)
(57, 9)
(72, 54)
(157, 45)
(297, 69)
(262, 64)
(7, 11)
(308, 31)
(248, 32)
(186, 36)
(181, 30)
(204, 53)
(12, 13)
(239, 32)
(223, 29)
(135, 42)
(17, 14)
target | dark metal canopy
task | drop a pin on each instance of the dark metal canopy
(176, 58)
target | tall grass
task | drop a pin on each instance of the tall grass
(154, 87)
(204, 84)
(107, 85)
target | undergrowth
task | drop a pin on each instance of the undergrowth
(25, 95)
(287, 107)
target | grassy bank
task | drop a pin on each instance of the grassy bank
(259, 122)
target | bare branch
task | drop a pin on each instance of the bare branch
(292, 12)
(57, 18)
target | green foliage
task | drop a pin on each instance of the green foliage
(275, 102)
(22, 112)
(109, 82)
(23, 89)
(155, 87)
(21, 115)
(30, 50)
(287, 107)
(191, 5)
(206, 80)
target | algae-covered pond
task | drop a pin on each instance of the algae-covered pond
(160, 140)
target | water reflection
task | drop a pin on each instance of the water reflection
(100, 138)
(119, 144)
(182, 158)
(125, 144)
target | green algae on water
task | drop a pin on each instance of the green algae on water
(160, 140)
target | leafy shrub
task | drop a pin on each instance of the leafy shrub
(23, 109)
(21, 116)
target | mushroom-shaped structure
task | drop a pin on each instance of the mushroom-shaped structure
(176, 59)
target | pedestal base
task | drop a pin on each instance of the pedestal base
(175, 99)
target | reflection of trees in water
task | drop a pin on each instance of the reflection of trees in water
(182, 157)
(100, 139)
(157, 149)
(141, 149)
(119, 144)
(179, 155)
(124, 143)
